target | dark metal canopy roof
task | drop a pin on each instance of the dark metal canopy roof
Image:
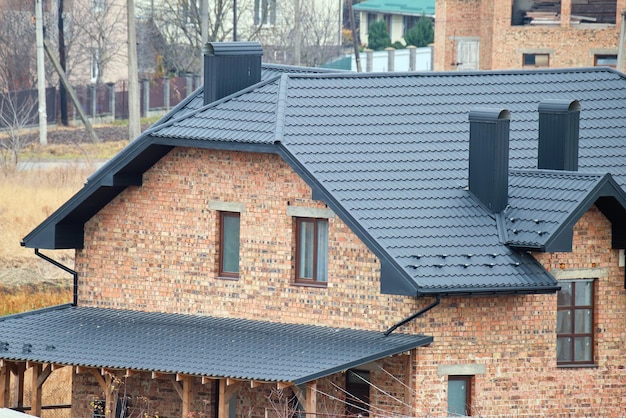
(193, 345)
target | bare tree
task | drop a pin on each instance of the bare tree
(316, 25)
(95, 36)
(17, 50)
(17, 111)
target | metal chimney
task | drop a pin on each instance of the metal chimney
(489, 157)
(230, 67)
(558, 135)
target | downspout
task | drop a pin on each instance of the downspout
(415, 315)
(67, 269)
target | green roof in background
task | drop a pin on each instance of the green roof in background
(397, 7)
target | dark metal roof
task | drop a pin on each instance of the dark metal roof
(194, 345)
(544, 205)
(389, 154)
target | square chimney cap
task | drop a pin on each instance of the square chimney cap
(232, 48)
(488, 114)
(559, 106)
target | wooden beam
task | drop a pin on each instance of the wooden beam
(36, 392)
(99, 379)
(256, 384)
(45, 374)
(300, 396)
(177, 386)
(228, 388)
(283, 385)
(156, 375)
(207, 379)
(311, 399)
(130, 373)
(19, 387)
(5, 384)
(108, 395)
(409, 381)
(186, 409)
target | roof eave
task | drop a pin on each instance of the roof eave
(487, 291)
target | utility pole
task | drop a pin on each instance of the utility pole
(134, 121)
(41, 75)
(204, 31)
(298, 34)
(234, 20)
(62, 90)
(355, 41)
(620, 50)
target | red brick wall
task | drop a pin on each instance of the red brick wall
(502, 45)
(153, 249)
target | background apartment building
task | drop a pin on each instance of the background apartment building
(487, 34)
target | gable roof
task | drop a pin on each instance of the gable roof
(396, 7)
(544, 205)
(388, 153)
(193, 345)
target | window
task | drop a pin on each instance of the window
(371, 18)
(605, 60)
(574, 327)
(409, 22)
(459, 395)
(95, 65)
(264, 12)
(229, 244)
(311, 250)
(536, 60)
(97, 6)
(358, 393)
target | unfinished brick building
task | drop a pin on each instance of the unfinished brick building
(348, 244)
(495, 35)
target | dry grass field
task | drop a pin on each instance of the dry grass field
(27, 197)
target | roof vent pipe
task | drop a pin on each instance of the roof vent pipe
(230, 67)
(558, 135)
(489, 157)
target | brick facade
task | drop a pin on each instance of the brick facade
(153, 248)
(502, 44)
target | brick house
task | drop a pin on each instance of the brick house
(382, 244)
(493, 35)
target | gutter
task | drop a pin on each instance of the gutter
(65, 268)
(415, 315)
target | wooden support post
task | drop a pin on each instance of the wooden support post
(108, 402)
(36, 392)
(19, 387)
(5, 385)
(228, 388)
(186, 396)
(311, 399)
(409, 381)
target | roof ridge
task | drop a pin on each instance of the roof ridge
(553, 172)
(479, 73)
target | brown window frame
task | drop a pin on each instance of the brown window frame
(222, 252)
(573, 307)
(604, 56)
(534, 64)
(468, 392)
(315, 280)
